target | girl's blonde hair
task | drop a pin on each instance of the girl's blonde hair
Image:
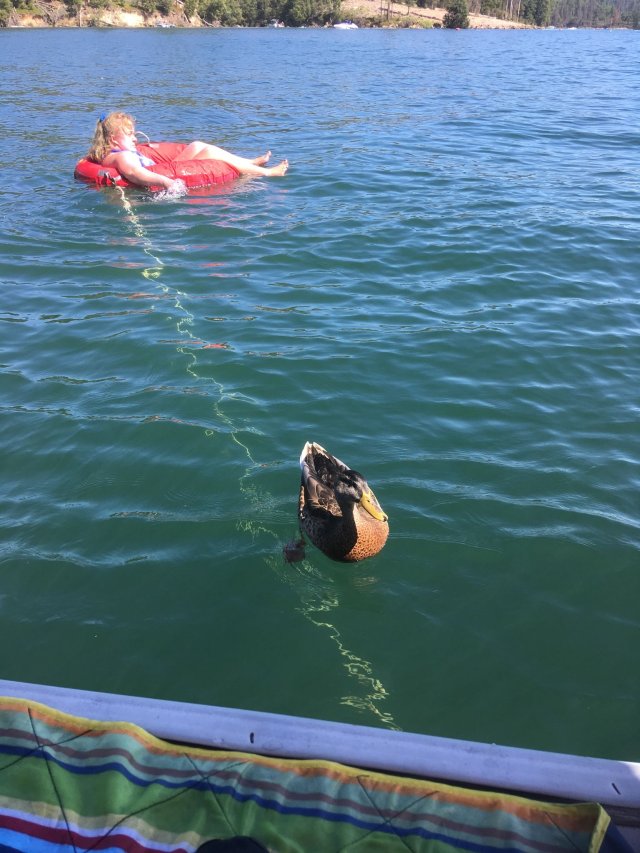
(105, 129)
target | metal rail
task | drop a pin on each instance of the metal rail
(532, 772)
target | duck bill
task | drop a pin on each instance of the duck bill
(369, 502)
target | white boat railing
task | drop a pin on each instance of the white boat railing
(531, 772)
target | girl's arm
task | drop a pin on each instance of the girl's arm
(130, 168)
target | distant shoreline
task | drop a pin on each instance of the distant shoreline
(365, 12)
(370, 9)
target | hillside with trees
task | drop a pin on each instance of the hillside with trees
(535, 13)
(297, 13)
(228, 13)
(564, 13)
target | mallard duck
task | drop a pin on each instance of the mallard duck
(337, 509)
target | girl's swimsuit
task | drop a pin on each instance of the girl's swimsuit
(146, 162)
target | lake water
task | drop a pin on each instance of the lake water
(444, 292)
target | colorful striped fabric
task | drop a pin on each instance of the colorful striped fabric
(70, 784)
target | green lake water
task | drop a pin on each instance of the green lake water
(444, 292)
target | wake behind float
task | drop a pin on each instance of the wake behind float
(194, 173)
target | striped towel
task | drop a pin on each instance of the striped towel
(71, 784)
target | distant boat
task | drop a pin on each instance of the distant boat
(345, 25)
(275, 24)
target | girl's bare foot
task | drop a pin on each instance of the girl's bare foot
(262, 160)
(280, 169)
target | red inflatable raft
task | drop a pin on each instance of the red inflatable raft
(194, 173)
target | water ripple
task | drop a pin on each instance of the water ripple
(443, 291)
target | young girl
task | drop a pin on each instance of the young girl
(114, 144)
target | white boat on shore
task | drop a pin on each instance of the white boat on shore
(345, 25)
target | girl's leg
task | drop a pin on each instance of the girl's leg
(205, 151)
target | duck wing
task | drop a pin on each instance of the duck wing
(320, 472)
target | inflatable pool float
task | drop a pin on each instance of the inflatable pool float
(194, 173)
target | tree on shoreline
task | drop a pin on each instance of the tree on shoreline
(536, 12)
(457, 15)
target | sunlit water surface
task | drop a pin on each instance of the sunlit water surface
(444, 292)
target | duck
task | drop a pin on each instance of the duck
(337, 508)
